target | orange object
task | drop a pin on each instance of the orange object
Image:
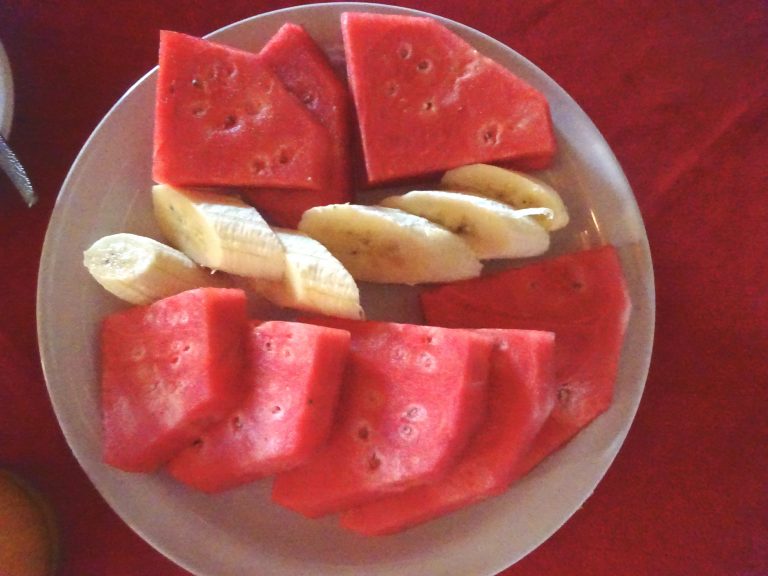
(28, 540)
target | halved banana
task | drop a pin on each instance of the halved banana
(386, 245)
(314, 280)
(510, 187)
(219, 231)
(141, 270)
(492, 229)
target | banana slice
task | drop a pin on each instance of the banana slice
(141, 270)
(386, 245)
(510, 187)
(492, 229)
(218, 231)
(314, 280)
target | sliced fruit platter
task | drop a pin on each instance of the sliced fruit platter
(360, 288)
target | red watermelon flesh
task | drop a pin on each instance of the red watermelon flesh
(169, 370)
(223, 118)
(411, 398)
(427, 101)
(306, 72)
(581, 297)
(521, 395)
(293, 376)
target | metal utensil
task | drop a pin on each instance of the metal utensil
(8, 161)
(15, 171)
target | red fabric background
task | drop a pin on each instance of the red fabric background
(680, 91)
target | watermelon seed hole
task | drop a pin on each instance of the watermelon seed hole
(268, 346)
(374, 462)
(415, 413)
(198, 443)
(259, 166)
(230, 122)
(424, 66)
(276, 409)
(237, 424)
(285, 156)
(405, 50)
(426, 360)
(197, 83)
(563, 395)
(428, 106)
(399, 353)
(392, 88)
(309, 99)
(407, 432)
(363, 433)
(490, 135)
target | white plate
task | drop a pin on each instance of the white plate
(107, 191)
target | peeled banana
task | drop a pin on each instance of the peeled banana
(219, 231)
(510, 187)
(314, 280)
(492, 229)
(386, 245)
(141, 270)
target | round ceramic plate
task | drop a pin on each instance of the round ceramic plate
(107, 191)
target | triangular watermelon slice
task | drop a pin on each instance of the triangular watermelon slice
(411, 399)
(427, 101)
(581, 297)
(521, 396)
(223, 118)
(306, 72)
(293, 373)
(169, 370)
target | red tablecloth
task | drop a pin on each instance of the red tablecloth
(680, 91)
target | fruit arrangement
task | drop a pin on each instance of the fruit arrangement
(387, 424)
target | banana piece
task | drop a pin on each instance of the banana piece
(219, 231)
(492, 229)
(314, 280)
(510, 187)
(386, 245)
(141, 270)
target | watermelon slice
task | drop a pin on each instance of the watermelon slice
(427, 101)
(305, 71)
(412, 397)
(293, 375)
(169, 370)
(521, 396)
(582, 298)
(223, 118)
